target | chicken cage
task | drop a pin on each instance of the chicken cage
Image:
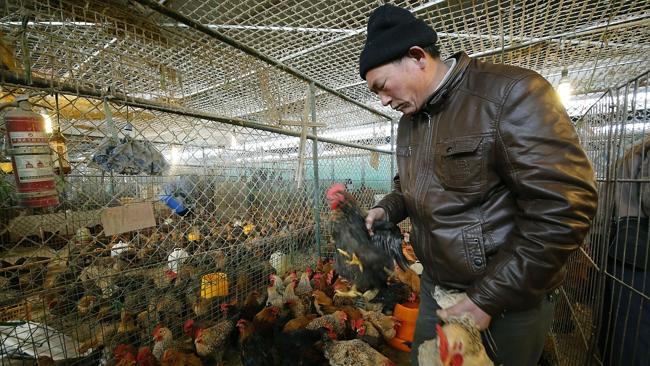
(202, 135)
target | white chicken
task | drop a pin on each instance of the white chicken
(458, 341)
(458, 344)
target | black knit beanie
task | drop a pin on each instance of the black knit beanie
(392, 31)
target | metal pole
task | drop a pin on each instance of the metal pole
(314, 146)
(51, 86)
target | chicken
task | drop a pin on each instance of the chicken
(319, 282)
(322, 303)
(172, 357)
(353, 353)
(88, 304)
(124, 355)
(458, 344)
(211, 342)
(303, 289)
(300, 347)
(298, 323)
(253, 349)
(367, 333)
(101, 335)
(408, 277)
(127, 331)
(265, 320)
(146, 358)
(296, 307)
(274, 298)
(363, 260)
(394, 293)
(205, 308)
(289, 293)
(163, 340)
(291, 277)
(337, 321)
(251, 306)
(277, 282)
(385, 324)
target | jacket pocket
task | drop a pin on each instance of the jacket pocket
(474, 248)
(460, 163)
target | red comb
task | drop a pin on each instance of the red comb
(456, 360)
(444, 344)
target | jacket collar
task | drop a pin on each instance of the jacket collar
(451, 83)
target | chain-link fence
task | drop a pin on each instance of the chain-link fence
(226, 200)
(225, 122)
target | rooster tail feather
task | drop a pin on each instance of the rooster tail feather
(388, 238)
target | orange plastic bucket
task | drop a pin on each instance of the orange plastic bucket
(407, 314)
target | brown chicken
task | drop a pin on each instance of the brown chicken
(88, 304)
(172, 357)
(298, 323)
(323, 303)
(146, 358)
(385, 324)
(251, 306)
(124, 355)
(265, 320)
(408, 277)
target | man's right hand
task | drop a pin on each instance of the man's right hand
(376, 213)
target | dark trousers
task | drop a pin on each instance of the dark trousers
(513, 339)
(625, 333)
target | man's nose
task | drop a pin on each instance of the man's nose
(385, 99)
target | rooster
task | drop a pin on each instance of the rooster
(363, 260)
(458, 344)
(253, 348)
(163, 340)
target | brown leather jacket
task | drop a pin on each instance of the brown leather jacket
(497, 187)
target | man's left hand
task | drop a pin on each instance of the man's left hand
(466, 306)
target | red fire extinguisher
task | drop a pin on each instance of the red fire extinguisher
(28, 146)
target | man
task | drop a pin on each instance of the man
(492, 176)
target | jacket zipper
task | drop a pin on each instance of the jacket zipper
(420, 181)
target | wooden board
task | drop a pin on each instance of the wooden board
(121, 219)
(64, 223)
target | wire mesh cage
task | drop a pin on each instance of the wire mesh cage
(605, 298)
(233, 118)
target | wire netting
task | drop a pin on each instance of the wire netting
(605, 298)
(226, 117)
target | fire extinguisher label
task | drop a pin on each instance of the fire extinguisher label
(27, 138)
(33, 168)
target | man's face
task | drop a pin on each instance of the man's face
(398, 85)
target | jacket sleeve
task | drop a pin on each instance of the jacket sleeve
(393, 203)
(553, 184)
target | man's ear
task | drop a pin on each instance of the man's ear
(418, 55)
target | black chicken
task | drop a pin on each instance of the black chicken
(365, 261)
